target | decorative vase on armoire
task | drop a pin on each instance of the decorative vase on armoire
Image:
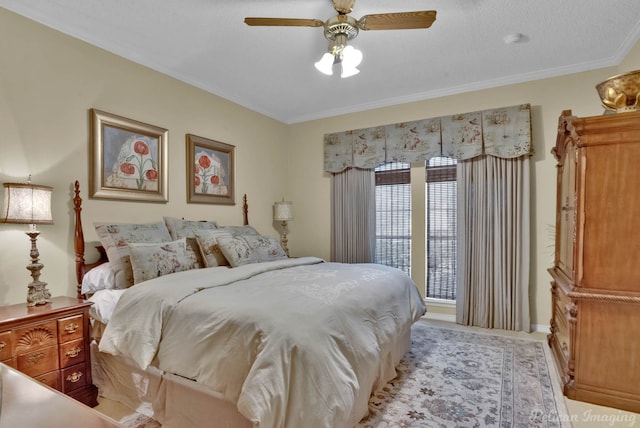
(595, 324)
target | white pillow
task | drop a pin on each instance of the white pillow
(102, 277)
(104, 301)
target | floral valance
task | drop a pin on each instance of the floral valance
(503, 132)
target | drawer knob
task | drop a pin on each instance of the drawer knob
(74, 377)
(71, 328)
(2, 345)
(74, 352)
(35, 358)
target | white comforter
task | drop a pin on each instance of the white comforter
(295, 343)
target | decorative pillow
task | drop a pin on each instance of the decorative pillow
(209, 249)
(180, 228)
(102, 277)
(242, 250)
(153, 260)
(240, 230)
(115, 237)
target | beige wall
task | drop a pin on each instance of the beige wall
(49, 81)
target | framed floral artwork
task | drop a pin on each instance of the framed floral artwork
(210, 171)
(128, 159)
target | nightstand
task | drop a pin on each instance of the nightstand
(50, 343)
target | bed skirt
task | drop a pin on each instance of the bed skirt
(177, 402)
(171, 400)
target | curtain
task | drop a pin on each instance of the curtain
(353, 216)
(503, 132)
(493, 243)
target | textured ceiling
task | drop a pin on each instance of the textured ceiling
(270, 69)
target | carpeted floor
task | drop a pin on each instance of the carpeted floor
(462, 377)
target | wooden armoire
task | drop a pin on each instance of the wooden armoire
(595, 323)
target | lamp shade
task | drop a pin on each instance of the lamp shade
(283, 211)
(27, 204)
(325, 65)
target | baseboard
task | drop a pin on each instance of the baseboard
(537, 328)
(541, 328)
(440, 317)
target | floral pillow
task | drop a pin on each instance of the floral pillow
(180, 228)
(209, 249)
(115, 239)
(244, 249)
(240, 230)
(153, 260)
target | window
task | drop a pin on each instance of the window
(393, 215)
(393, 223)
(441, 201)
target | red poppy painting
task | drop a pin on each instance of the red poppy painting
(128, 159)
(210, 168)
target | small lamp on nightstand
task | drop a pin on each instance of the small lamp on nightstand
(283, 211)
(30, 204)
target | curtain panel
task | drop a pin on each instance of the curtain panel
(493, 243)
(504, 132)
(353, 216)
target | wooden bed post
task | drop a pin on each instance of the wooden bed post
(78, 239)
(245, 210)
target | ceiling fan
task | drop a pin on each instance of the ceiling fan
(338, 30)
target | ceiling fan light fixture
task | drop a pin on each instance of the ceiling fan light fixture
(348, 71)
(351, 58)
(325, 65)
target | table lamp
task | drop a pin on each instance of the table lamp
(283, 211)
(30, 204)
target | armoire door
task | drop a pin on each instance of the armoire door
(566, 222)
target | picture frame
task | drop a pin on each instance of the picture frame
(210, 171)
(128, 159)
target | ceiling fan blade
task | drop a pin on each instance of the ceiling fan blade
(283, 22)
(397, 21)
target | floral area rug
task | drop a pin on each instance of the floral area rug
(461, 378)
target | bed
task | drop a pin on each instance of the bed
(251, 339)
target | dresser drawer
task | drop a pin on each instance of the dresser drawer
(6, 345)
(36, 336)
(71, 328)
(37, 362)
(73, 377)
(562, 307)
(72, 353)
(51, 379)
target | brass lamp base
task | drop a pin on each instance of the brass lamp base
(283, 238)
(38, 294)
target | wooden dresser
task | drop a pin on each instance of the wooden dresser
(51, 344)
(595, 324)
